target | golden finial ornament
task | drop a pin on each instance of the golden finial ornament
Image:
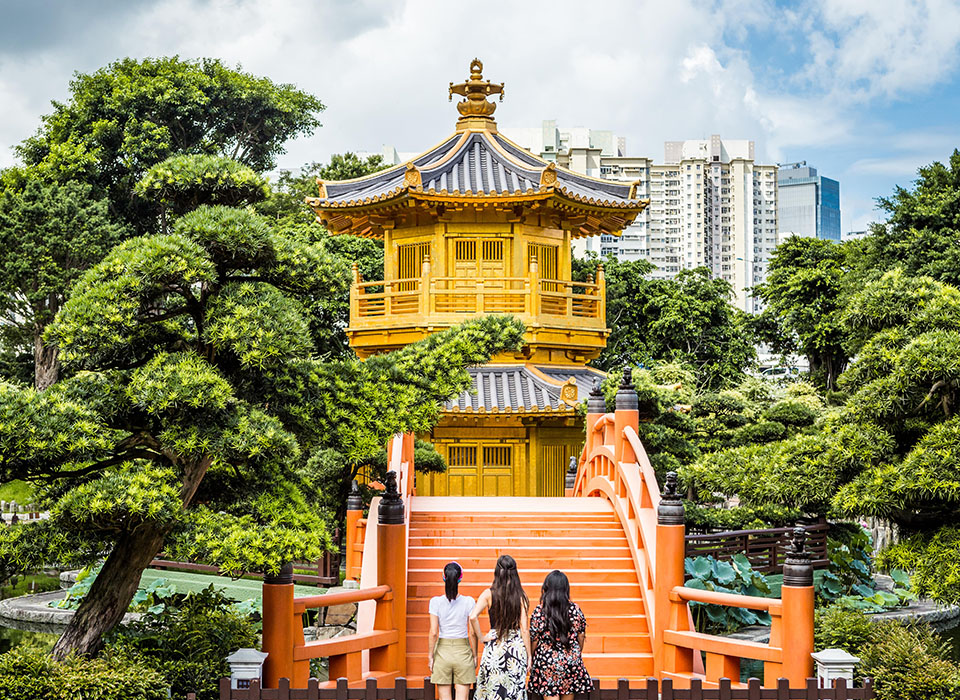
(476, 111)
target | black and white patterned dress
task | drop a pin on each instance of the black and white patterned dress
(503, 669)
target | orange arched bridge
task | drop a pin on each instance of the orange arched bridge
(618, 538)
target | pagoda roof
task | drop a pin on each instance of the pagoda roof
(523, 389)
(476, 164)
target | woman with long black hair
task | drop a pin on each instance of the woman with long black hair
(557, 631)
(506, 652)
(451, 643)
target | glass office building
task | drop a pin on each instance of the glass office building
(808, 204)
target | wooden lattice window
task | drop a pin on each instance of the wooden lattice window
(465, 251)
(546, 257)
(493, 251)
(410, 267)
(497, 456)
(462, 456)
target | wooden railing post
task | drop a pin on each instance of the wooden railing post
(626, 415)
(278, 632)
(596, 409)
(425, 285)
(602, 293)
(533, 305)
(355, 295)
(391, 571)
(354, 513)
(668, 574)
(798, 599)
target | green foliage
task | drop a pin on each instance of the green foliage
(803, 299)
(849, 581)
(27, 672)
(736, 576)
(187, 640)
(185, 181)
(909, 662)
(687, 319)
(711, 518)
(48, 234)
(791, 412)
(923, 230)
(149, 599)
(128, 116)
(838, 627)
(934, 559)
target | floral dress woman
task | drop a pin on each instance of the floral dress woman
(503, 668)
(558, 668)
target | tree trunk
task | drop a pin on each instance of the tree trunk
(46, 359)
(111, 593)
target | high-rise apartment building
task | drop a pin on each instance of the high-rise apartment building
(809, 204)
(711, 204)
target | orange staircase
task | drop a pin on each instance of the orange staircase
(581, 537)
(618, 538)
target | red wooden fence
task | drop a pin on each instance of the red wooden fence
(648, 690)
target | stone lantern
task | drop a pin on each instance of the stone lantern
(245, 665)
(833, 664)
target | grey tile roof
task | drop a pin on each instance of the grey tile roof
(477, 162)
(515, 388)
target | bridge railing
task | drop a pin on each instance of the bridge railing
(614, 465)
(378, 648)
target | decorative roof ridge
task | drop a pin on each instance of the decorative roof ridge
(566, 171)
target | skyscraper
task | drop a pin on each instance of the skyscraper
(809, 204)
(711, 204)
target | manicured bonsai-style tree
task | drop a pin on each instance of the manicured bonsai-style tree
(191, 401)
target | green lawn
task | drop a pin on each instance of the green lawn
(19, 491)
(239, 589)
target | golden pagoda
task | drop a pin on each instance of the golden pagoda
(477, 225)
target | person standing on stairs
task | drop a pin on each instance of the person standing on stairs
(506, 652)
(452, 641)
(557, 630)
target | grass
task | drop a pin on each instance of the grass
(19, 491)
(238, 589)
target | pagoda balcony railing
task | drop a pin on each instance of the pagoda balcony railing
(450, 300)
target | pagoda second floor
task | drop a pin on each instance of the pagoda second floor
(475, 226)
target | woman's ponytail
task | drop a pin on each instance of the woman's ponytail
(452, 573)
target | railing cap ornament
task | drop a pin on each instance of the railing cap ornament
(797, 568)
(570, 479)
(627, 394)
(670, 510)
(283, 577)
(391, 511)
(595, 402)
(354, 500)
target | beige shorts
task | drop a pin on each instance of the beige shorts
(453, 663)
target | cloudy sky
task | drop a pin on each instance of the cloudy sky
(864, 90)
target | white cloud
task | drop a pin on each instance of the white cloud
(651, 71)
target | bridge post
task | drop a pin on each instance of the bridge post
(596, 409)
(627, 415)
(278, 632)
(354, 513)
(391, 571)
(798, 600)
(668, 572)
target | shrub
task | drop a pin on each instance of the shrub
(761, 432)
(934, 560)
(29, 673)
(188, 641)
(792, 411)
(909, 662)
(836, 627)
(740, 517)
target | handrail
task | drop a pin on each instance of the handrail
(340, 598)
(731, 600)
(600, 473)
